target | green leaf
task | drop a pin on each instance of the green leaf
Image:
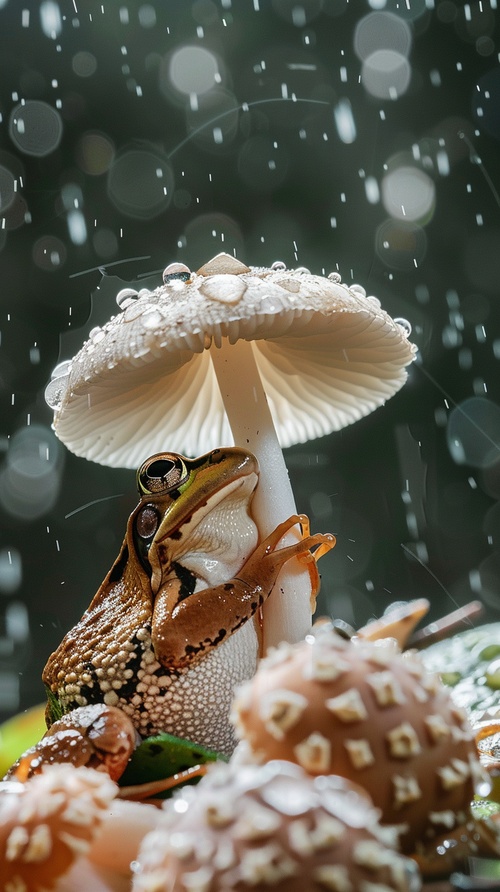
(55, 708)
(163, 756)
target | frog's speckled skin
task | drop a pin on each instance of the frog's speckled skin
(166, 638)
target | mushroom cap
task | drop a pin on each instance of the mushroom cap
(49, 822)
(372, 715)
(327, 355)
(270, 827)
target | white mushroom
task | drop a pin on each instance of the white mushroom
(272, 356)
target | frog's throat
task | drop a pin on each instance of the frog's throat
(213, 542)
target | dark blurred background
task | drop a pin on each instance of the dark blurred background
(362, 136)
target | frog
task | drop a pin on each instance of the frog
(176, 624)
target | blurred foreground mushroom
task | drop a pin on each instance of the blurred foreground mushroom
(366, 712)
(64, 830)
(271, 827)
(270, 355)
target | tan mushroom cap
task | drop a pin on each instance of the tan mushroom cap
(48, 823)
(365, 712)
(327, 355)
(271, 828)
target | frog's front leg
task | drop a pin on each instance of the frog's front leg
(186, 627)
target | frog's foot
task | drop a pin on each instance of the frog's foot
(265, 563)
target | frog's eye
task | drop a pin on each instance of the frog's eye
(161, 474)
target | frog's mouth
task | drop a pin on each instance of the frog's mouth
(210, 545)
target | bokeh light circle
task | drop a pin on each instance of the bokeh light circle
(473, 433)
(105, 243)
(49, 253)
(84, 64)
(30, 479)
(208, 234)
(7, 188)
(94, 153)
(141, 183)
(386, 74)
(193, 70)
(35, 128)
(408, 193)
(382, 31)
(401, 244)
(147, 15)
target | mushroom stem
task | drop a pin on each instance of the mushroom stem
(287, 613)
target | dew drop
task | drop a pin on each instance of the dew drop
(278, 265)
(335, 277)
(62, 368)
(303, 270)
(176, 271)
(358, 289)
(404, 324)
(96, 334)
(133, 311)
(125, 297)
(55, 390)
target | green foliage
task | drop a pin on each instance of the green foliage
(163, 756)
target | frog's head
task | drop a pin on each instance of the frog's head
(195, 513)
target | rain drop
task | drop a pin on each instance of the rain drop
(125, 297)
(62, 368)
(133, 311)
(358, 289)
(55, 391)
(404, 324)
(176, 272)
(96, 334)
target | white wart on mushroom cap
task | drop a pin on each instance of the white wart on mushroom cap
(327, 355)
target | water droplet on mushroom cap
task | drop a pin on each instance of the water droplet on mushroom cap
(176, 271)
(125, 297)
(55, 391)
(404, 324)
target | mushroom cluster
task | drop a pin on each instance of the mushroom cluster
(366, 712)
(264, 357)
(271, 827)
